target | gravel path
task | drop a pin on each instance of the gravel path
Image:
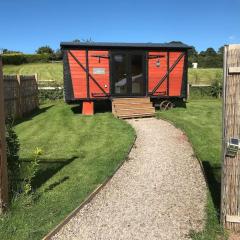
(159, 193)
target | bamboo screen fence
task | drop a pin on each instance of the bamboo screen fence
(20, 95)
(230, 199)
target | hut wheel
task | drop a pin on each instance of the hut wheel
(165, 105)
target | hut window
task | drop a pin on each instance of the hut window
(118, 58)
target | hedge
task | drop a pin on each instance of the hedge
(50, 94)
(17, 59)
(205, 91)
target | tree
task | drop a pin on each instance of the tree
(210, 52)
(58, 54)
(220, 50)
(45, 50)
(6, 51)
(192, 56)
(210, 58)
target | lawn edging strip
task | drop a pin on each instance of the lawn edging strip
(88, 199)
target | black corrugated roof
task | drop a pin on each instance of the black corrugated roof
(171, 45)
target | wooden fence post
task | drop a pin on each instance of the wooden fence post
(36, 77)
(3, 155)
(188, 90)
(19, 98)
(230, 184)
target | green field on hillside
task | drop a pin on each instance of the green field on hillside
(45, 71)
(54, 71)
(204, 75)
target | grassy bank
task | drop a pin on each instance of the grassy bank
(45, 71)
(201, 121)
(79, 153)
(54, 71)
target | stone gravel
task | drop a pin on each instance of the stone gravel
(158, 193)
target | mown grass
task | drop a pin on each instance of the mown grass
(45, 71)
(204, 75)
(54, 71)
(201, 121)
(79, 153)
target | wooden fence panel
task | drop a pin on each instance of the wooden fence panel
(28, 94)
(21, 95)
(230, 196)
(3, 152)
(11, 96)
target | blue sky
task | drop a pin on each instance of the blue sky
(28, 24)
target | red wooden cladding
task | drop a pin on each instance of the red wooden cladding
(156, 73)
(176, 75)
(97, 64)
(98, 68)
(78, 75)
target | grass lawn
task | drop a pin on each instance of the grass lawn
(45, 71)
(54, 71)
(79, 153)
(204, 75)
(201, 120)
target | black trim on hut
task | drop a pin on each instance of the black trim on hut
(172, 46)
(68, 87)
(146, 48)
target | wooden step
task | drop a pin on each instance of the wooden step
(132, 107)
(134, 111)
(125, 116)
(136, 108)
(131, 100)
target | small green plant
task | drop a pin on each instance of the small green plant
(32, 170)
(216, 86)
(13, 160)
(53, 94)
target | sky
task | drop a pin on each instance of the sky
(29, 24)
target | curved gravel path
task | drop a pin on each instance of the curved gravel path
(159, 193)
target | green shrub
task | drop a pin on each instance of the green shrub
(200, 92)
(50, 94)
(216, 89)
(17, 59)
(13, 160)
(13, 59)
(20, 177)
(216, 86)
(31, 171)
(34, 58)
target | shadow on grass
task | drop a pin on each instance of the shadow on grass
(213, 174)
(47, 169)
(31, 115)
(55, 184)
(100, 106)
(180, 104)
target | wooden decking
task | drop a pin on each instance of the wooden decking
(132, 107)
